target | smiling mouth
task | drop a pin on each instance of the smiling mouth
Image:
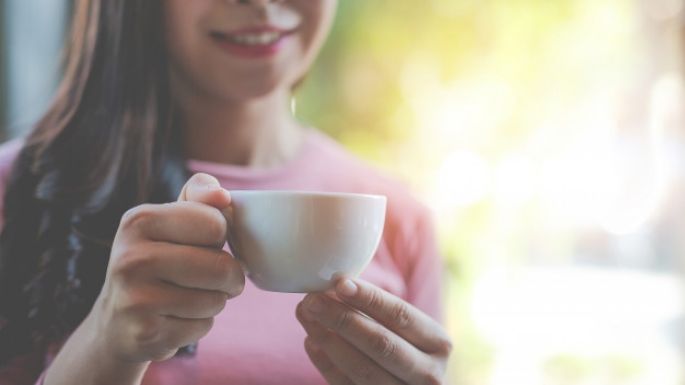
(251, 39)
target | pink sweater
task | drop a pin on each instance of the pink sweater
(256, 339)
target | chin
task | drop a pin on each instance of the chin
(253, 88)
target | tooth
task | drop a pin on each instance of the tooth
(264, 38)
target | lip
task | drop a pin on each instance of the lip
(226, 41)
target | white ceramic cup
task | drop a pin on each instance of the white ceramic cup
(298, 242)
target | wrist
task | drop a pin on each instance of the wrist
(88, 358)
(114, 367)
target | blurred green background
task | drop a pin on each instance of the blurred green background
(548, 138)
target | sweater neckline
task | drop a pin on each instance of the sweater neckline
(230, 171)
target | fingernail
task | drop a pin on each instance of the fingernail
(205, 180)
(315, 305)
(209, 187)
(226, 194)
(347, 288)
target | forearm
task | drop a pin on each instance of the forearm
(84, 360)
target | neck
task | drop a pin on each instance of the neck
(258, 133)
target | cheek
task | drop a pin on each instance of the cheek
(184, 38)
(183, 20)
(319, 15)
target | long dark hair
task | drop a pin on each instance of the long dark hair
(107, 143)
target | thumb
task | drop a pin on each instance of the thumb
(204, 188)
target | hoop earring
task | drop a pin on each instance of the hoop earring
(293, 105)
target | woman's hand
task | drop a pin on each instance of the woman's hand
(168, 275)
(371, 337)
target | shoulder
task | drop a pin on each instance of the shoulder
(9, 151)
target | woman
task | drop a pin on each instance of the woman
(102, 283)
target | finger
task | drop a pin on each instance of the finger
(204, 188)
(183, 332)
(161, 337)
(192, 267)
(396, 314)
(169, 300)
(323, 364)
(314, 329)
(352, 363)
(387, 349)
(188, 223)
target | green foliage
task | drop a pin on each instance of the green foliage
(567, 369)
(406, 83)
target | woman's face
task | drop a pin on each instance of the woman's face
(243, 49)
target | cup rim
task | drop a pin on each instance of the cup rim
(304, 193)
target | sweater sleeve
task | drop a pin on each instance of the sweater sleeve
(423, 266)
(413, 245)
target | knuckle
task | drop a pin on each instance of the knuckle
(190, 334)
(131, 260)
(123, 262)
(445, 347)
(217, 302)
(138, 216)
(374, 300)
(123, 267)
(206, 325)
(433, 377)
(199, 329)
(433, 374)
(223, 266)
(343, 320)
(299, 311)
(148, 331)
(400, 316)
(384, 346)
(138, 306)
